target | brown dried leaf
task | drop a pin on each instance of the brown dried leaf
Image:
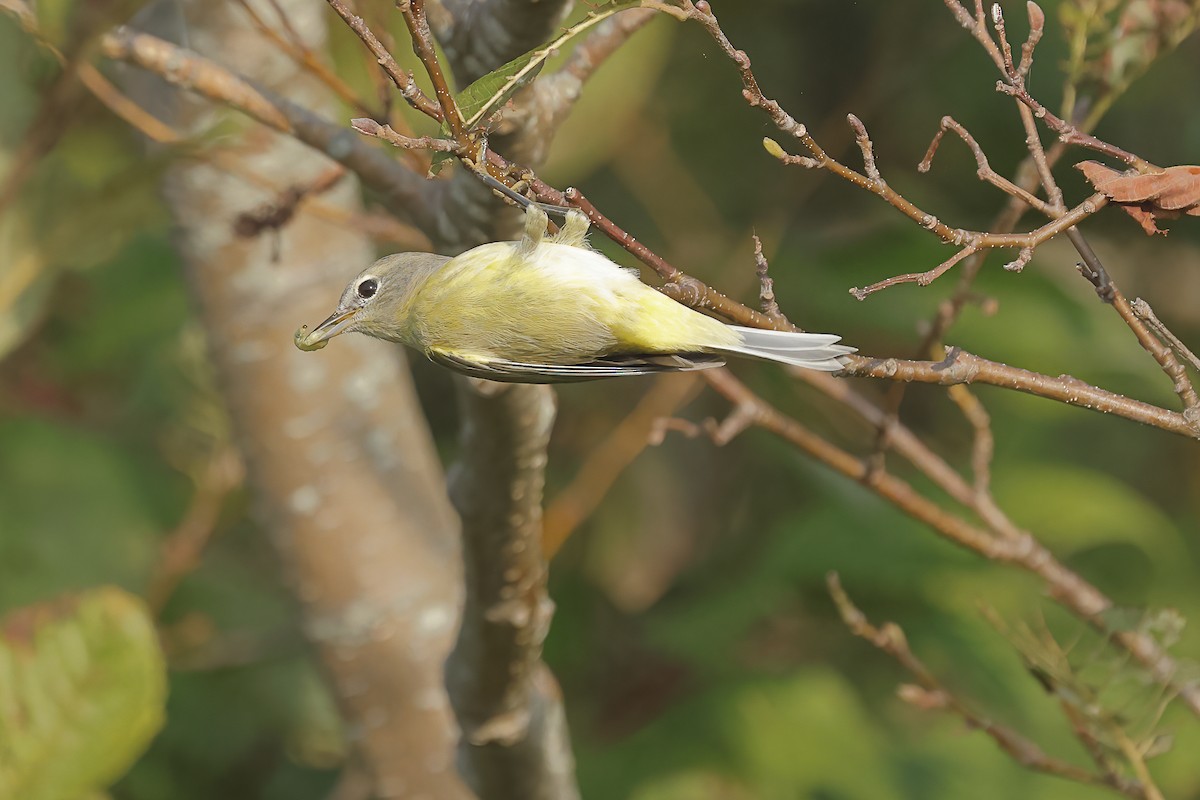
(1144, 216)
(1148, 196)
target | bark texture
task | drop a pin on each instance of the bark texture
(515, 742)
(346, 477)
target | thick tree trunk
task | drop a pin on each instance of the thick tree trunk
(515, 743)
(346, 477)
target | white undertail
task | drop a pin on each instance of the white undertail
(818, 351)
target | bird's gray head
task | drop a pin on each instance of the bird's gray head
(376, 301)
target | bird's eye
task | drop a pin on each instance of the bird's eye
(368, 288)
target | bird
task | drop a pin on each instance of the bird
(547, 309)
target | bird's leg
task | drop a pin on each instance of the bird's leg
(574, 230)
(535, 229)
(518, 198)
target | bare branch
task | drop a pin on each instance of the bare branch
(347, 481)
(962, 367)
(605, 463)
(190, 71)
(983, 167)
(1067, 133)
(867, 148)
(920, 278)
(369, 127)
(294, 46)
(504, 698)
(766, 287)
(403, 79)
(1147, 315)
(984, 444)
(1093, 270)
(934, 695)
(605, 40)
(413, 12)
(1162, 354)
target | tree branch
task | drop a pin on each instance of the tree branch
(514, 730)
(403, 80)
(347, 480)
(1005, 543)
(515, 740)
(934, 695)
(961, 367)
(403, 189)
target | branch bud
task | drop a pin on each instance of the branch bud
(773, 148)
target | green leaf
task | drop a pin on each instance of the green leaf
(440, 157)
(485, 96)
(24, 285)
(108, 532)
(82, 692)
(39, 241)
(1073, 509)
(488, 94)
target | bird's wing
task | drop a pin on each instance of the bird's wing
(496, 369)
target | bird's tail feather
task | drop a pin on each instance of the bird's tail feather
(819, 351)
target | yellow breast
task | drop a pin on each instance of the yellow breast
(562, 305)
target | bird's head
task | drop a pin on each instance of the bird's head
(375, 302)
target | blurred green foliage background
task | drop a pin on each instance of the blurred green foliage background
(699, 652)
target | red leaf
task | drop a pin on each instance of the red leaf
(1150, 196)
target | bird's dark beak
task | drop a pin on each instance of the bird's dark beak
(319, 336)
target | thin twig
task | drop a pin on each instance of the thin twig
(602, 42)
(983, 167)
(400, 77)
(1067, 133)
(867, 148)
(890, 638)
(378, 226)
(1147, 315)
(970, 241)
(920, 278)
(976, 25)
(766, 286)
(369, 127)
(193, 72)
(960, 366)
(182, 549)
(304, 56)
(1163, 354)
(984, 443)
(413, 12)
(605, 463)
(1094, 271)
(1033, 140)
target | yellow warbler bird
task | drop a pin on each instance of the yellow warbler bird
(547, 310)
